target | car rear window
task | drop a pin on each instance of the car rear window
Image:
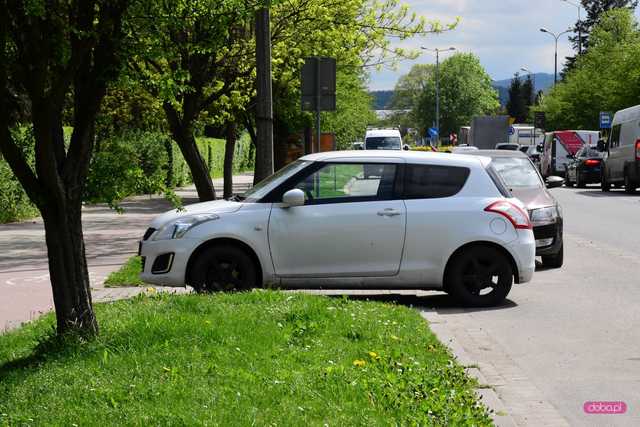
(495, 177)
(432, 181)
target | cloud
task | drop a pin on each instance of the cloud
(503, 33)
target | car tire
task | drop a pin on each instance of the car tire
(580, 182)
(567, 181)
(605, 185)
(223, 268)
(554, 261)
(476, 269)
(629, 185)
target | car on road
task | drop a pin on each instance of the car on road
(354, 220)
(383, 139)
(560, 146)
(584, 168)
(507, 146)
(524, 181)
(622, 158)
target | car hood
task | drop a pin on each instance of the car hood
(217, 207)
(534, 198)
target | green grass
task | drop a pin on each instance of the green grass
(127, 275)
(258, 358)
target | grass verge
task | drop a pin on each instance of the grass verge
(127, 275)
(263, 358)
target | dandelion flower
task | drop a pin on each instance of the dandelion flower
(359, 363)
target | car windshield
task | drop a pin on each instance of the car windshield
(383, 143)
(517, 172)
(592, 152)
(266, 185)
(512, 147)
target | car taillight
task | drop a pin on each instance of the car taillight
(637, 149)
(513, 213)
(592, 162)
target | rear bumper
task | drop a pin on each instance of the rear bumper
(523, 251)
(590, 176)
(546, 232)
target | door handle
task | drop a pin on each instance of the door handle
(389, 212)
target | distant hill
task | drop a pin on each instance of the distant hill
(382, 99)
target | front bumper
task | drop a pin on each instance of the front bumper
(172, 254)
(548, 233)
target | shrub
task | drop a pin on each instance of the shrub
(14, 202)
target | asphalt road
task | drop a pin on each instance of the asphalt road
(574, 332)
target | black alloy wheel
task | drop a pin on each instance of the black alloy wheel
(223, 268)
(480, 277)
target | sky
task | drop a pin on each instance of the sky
(504, 34)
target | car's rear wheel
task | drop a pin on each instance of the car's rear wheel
(223, 268)
(629, 185)
(480, 276)
(567, 180)
(554, 261)
(579, 180)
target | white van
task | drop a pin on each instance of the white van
(622, 159)
(383, 139)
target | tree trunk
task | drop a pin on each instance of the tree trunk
(199, 171)
(229, 151)
(264, 106)
(68, 267)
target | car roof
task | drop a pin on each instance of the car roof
(382, 132)
(448, 159)
(496, 153)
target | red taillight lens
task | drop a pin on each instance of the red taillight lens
(513, 213)
(592, 162)
(637, 149)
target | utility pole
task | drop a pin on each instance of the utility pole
(437, 51)
(264, 105)
(579, 7)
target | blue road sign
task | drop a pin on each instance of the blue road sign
(605, 120)
(433, 132)
(512, 130)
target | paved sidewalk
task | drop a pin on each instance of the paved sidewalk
(110, 238)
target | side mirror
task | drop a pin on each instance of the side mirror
(405, 147)
(554, 181)
(293, 198)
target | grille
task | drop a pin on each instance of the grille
(148, 233)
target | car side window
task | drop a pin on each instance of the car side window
(433, 181)
(349, 182)
(615, 136)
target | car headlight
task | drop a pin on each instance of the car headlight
(178, 228)
(544, 216)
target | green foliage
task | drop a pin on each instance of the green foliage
(14, 202)
(127, 275)
(255, 358)
(148, 163)
(465, 91)
(606, 78)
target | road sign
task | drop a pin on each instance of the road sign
(433, 132)
(319, 84)
(539, 120)
(605, 120)
(512, 130)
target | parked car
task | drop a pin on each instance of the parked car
(622, 158)
(584, 168)
(423, 221)
(525, 182)
(463, 149)
(533, 153)
(507, 146)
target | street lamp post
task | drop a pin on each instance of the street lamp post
(556, 37)
(579, 7)
(533, 80)
(437, 51)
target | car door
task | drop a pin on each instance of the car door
(352, 224)
(614, 161)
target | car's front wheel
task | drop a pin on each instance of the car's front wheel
(223, 268)
(479, 277)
